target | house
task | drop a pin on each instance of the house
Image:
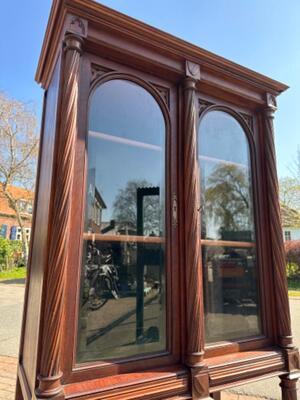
(9, 226)
(290, 223)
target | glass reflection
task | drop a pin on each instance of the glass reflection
(227, 230)
(122, 309)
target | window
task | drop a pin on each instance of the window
(25, 206)
(287, 235)
(19, 233)
(122, 306)
(228, 231)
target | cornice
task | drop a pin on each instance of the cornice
(158, 40)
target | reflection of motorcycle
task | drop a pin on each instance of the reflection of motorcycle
(101, 277)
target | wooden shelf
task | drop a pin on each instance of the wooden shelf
(226, 243)
(123, 238)
(155, 239)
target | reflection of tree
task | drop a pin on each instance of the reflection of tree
(227, 197)
(125, 208)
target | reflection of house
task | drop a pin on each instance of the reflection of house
(95, 212)
(290, 223)
(8, 221)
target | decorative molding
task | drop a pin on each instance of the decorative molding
(293, 360)
(203, 104)
(248, 119)
(246, 365)
(271, 101)
(200, 384)
(193, 267)
(77, 25)
(98, 70)
(50, 374)
(162, 385)
(276, 239)
(192, 70)
(164, 92)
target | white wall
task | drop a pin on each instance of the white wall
(295, 233)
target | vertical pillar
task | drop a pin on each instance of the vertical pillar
(289, 387)
(283, 319)
(276, 238)
(193, 267)
(49, 378)
(140, 267)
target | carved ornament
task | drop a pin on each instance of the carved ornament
(192, 70)
(77, 25)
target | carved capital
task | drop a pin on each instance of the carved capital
(271, 102)
(192, 70)
(77, 26)
(286, 341)
(200, 383)
(73, 42)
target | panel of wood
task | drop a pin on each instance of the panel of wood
(244, 365)
(173, 381)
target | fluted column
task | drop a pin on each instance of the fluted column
(276, 238)
(193, 268)
(50, 374)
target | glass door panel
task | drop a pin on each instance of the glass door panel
(122, 304)
(227, 230)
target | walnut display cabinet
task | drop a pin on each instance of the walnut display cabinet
(157, 266)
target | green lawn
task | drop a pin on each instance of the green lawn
(16, 273)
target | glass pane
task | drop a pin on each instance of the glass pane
(227, 230)
(122, 309)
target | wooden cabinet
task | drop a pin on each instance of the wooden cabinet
(157, 266)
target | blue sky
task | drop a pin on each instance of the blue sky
(263, 35)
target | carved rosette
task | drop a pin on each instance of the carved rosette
(276, 238)
(50, 374)
(194, 301)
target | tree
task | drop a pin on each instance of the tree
(227, 198)
(289, 192)
(125, 208)
(18, 154)
(294, 167)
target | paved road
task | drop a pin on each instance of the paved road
(11, 307)
(270, 388)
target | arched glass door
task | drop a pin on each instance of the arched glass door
(122, 303)
(227, 230)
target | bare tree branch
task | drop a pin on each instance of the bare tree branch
(18, 154)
